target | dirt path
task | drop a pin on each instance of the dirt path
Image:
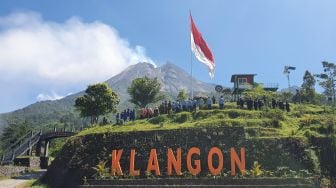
(15, 182)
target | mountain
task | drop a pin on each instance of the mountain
(170, 76)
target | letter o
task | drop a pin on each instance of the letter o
(218, 152)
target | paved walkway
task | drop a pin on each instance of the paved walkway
(14, 182)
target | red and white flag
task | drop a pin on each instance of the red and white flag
(200, 48)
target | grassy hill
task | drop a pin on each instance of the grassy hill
(304, 120)
(294, 144)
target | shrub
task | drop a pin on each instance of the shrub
(274, 114)
(182, 117)
(101, 170)
(158, 119)
(256, 169)
(252, 132)
(233, 114)
(201, 114)
(276, 123)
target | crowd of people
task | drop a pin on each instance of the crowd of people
(256, 104)
(170, 107)
(281, 105)
(190, 105)
(259, 104)
(126, 115)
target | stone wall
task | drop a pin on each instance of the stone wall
(31, 162)
(9, 171)
(80, 154)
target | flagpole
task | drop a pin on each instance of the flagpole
(191, 73)
(191, 69)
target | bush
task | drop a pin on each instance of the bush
(274, 114)
(276, 123)
(182, 117)
(158, 119)
(202, 114)
(233, 114)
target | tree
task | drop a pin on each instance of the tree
(13, 132)
(98, 100)
(182, 95)
(308, 87)
(144, 91)
(286, 96)
(327, 80)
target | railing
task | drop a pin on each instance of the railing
(244, 86)
(269, 85)
(22, 147)
(29, 140)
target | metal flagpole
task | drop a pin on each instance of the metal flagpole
(191, 70)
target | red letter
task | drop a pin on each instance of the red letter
(235, 160)
(197, 170)
(172, 161)
(153, 163)
(115, 162)
(132, 159)
(218, 152)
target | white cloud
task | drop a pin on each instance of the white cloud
(72, 51)
(53, 56)
(52, 96)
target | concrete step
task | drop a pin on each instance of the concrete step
(205, 182)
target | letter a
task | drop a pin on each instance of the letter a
(235, 160)
(116, 168)
(153, 163)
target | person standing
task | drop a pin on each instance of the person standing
(213, 100)
(274, 103)
(255, 104)
(209, 102)
(221, 102)
(200, 103)
(287, 107)
(118, 118)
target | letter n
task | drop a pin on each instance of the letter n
(235, 160)
(116, 168)
(173, 162)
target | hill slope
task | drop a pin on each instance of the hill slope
(172, 78)
(278, 140)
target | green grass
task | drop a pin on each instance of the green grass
(303, 121)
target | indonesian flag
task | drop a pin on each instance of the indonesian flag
(200, 48)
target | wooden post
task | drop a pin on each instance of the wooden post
(2, 158)
(38, 149)
(46, 148)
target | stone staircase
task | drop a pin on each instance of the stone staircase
(205, 182)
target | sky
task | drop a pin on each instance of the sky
(50, 49)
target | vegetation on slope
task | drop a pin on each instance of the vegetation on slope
(303, 121)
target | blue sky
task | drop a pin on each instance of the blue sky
(260, 36)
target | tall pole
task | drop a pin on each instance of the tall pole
(288, 80)
(191, 70)
(191, 75)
